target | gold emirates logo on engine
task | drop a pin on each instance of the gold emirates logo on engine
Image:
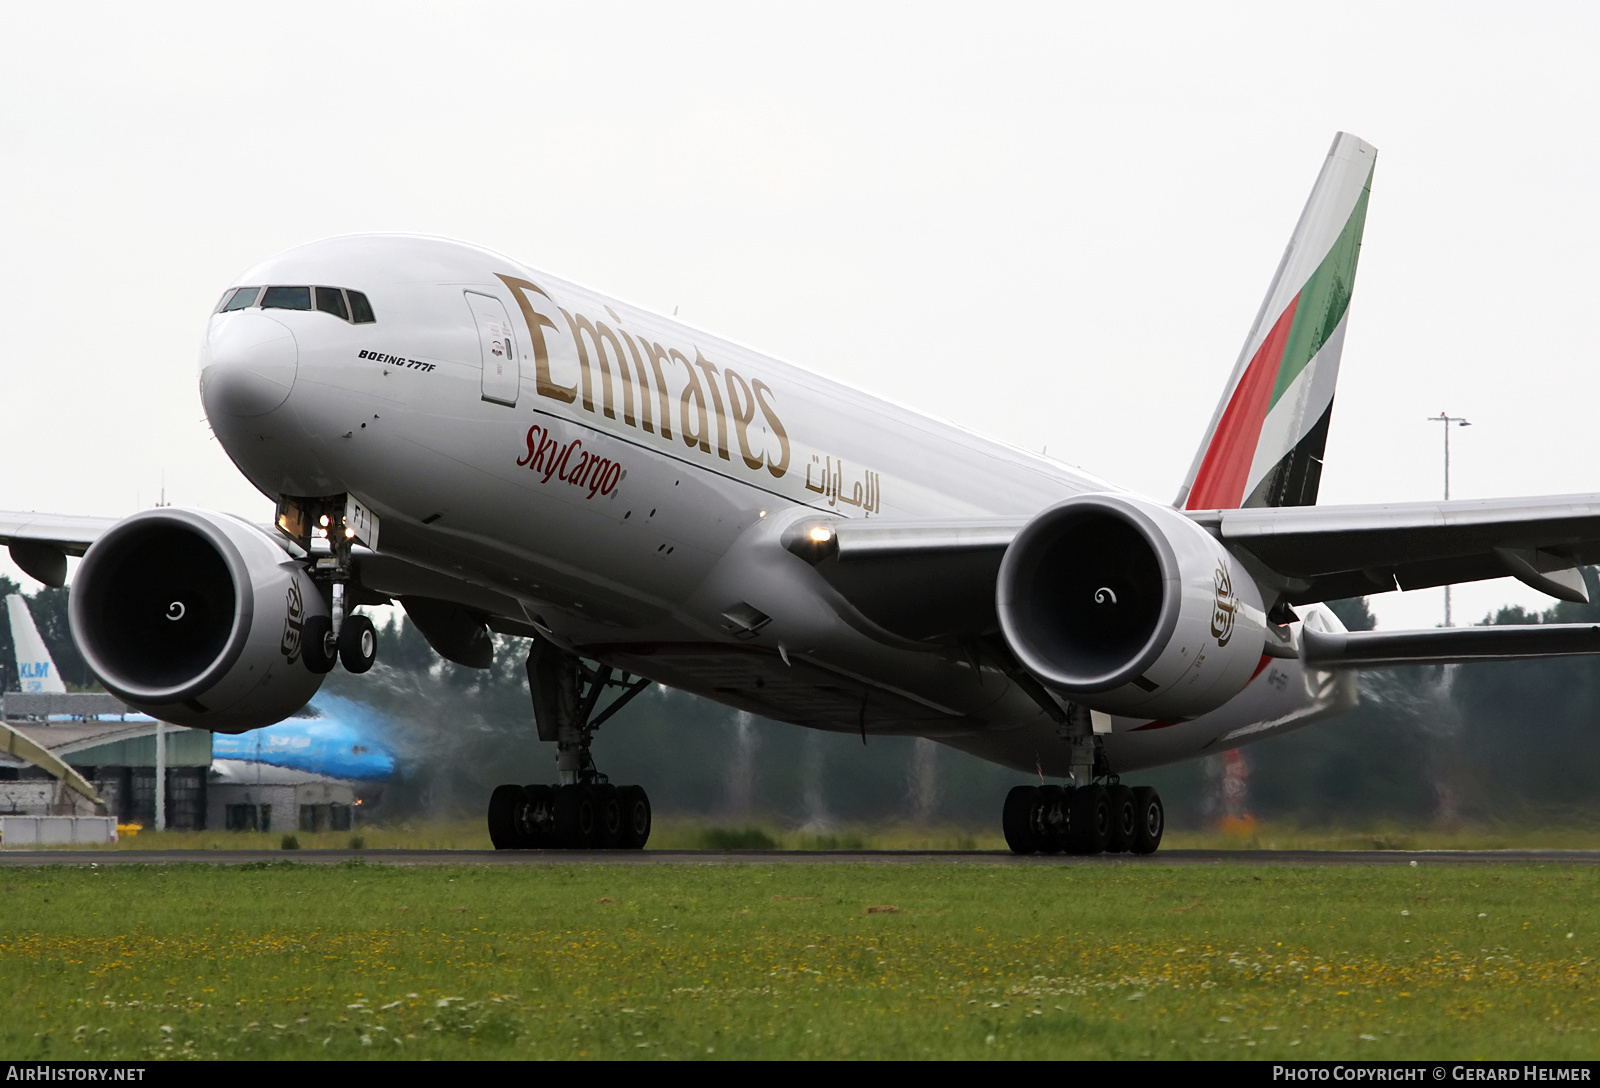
(1225, 606)
(293, 623)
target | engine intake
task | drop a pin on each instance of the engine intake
(195, 618)
(1129, 607)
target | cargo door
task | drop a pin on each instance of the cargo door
(497, 347)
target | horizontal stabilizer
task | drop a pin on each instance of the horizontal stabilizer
(1445, 645)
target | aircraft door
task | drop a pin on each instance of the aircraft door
(498, 347)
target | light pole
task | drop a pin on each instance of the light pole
(1447, 420)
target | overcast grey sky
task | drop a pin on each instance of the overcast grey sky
(1051, 223)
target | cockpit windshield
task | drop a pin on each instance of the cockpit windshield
(341, 302)
(330, 300)
(286, 298)
(240, 298)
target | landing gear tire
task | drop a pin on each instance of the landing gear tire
(1051, 819)
(535, 817)
(1150, 820)
(358, 644)
(317, 649)
(1018, 820)
(1089, 827)
(635, 805)
(1124, 819)
(575, 818)
(503, 805)
(608, 817)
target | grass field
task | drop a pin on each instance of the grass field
(294, 961)
(677, 833)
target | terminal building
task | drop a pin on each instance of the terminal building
(85, 754)
(49, 742)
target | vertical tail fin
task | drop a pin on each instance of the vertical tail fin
(1265, 443)
(34, 667)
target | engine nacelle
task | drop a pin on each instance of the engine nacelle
(195, 617)
(1129, 607)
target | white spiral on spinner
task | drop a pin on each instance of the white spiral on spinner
(175, 610)
(1105, 595)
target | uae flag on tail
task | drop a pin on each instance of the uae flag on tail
(1265, 443)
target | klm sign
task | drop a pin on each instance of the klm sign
(35, 674)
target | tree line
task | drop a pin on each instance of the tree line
(1503, 740)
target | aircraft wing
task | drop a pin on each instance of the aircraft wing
(934, 581)
(40, 543)
(68, 533)
(1322, 553)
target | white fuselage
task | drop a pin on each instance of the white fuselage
(618, 481)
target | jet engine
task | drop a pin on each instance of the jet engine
(197, 618)
(1128, 607)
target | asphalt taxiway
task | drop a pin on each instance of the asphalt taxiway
(23, 857)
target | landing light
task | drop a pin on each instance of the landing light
(350, 534)
(822, 534)
(323, 521)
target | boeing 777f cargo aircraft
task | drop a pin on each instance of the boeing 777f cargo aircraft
(501, 450)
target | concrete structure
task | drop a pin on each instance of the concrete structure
(257, 797)
(56, 830)
(119, 759)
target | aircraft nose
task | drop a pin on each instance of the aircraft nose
(248, 365)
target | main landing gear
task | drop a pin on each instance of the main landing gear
(583, 811)
(1090, 819)
(580, 816)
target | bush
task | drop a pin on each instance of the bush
(737, 838)
(289, 842)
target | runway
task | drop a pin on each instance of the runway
(536, 858)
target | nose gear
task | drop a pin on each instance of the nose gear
(583, 810)
(343, 637)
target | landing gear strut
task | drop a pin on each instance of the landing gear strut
(583, 810)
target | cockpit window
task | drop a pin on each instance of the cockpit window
(360, 309)
(287, 298)
(346, 305)
(240, 298)
(330, 300)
